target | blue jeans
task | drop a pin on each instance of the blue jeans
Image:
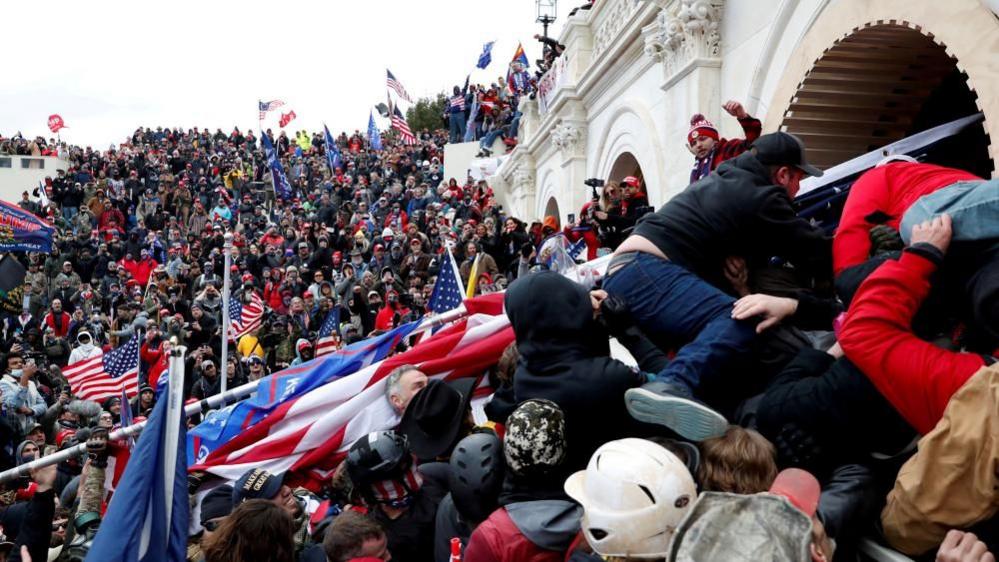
(666, 299)
(69, 212)
(456, 121)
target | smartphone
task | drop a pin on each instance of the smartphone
(572, 218)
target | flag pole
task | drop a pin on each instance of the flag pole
(226, 321)
(210, 403)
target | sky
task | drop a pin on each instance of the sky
(108, 67)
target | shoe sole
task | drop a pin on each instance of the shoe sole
(688, 418)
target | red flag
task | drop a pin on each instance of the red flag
(286, 118)
(56, 123)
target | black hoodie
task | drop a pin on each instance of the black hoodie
(565, 358)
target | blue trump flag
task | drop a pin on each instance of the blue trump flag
(333, 157)
(21, 231)
(373, 136)
(487, 55)
(148, 515)
(282, 188)
(273, 390)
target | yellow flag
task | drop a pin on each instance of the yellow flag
(473, 278)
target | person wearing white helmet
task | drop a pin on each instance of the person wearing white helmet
(634, 494)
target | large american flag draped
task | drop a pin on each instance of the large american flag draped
(328, 332)
(105, 376)
(396, 86)
(310, 434)
(399, 124)
(266, 106)
(244, 318)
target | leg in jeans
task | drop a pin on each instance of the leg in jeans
(666, 299)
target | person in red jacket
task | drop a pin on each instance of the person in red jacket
(141, 269)
(385, 320)
(709, 149)
(881, 196)
(57, 319)
(950, 397)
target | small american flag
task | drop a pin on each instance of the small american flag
(447, 290)
(244, 318)
(327, 342)
(456, 102)
(266, 106)
(396, 86)
(399, 124)
(105, 376)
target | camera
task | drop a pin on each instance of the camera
(594, 182)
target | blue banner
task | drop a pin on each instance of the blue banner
(282, 188)
(273, 390)
(333, 157)
(21, 231)
(373, 136)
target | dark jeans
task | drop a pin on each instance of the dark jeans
(667, 300)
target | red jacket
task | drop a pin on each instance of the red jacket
(497, 539)
(140, 270)
(61, 328)
(891, 189)
(726, 149)
(915, 376)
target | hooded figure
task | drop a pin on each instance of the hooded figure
(565, 358)
(85, 348)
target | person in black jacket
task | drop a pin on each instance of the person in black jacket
(565, 358)
(664, 269)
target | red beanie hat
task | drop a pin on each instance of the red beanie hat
(700, 127)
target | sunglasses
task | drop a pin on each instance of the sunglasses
(211, 526)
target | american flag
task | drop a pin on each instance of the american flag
(309, 435)
(105, 376)
(266, 106)
(244, 318)
(327, 332)
(399, 124)
(396, 86)
(447, 290)
(456, 102)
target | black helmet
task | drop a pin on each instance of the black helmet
(380, 455)
(476, 476)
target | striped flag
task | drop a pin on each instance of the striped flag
(399, 124)
(266, 106)
(329, 333)
(396, 86)
(447, 289)
(311, 434)
(244, 318)
(107, 375)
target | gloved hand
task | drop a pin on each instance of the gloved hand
(615, 315)
(97, 447)
(884, 240)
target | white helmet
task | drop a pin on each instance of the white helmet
(634, 493)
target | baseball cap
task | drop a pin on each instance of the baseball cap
(256, 483)
(783, 148)
(800, 488)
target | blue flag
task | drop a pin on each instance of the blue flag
(447, 293)
(282, 188)
(126, 413)
(21, 231)
(333, 157)
(373, 136)
(148, 515)
(487, 55)
(222, 425)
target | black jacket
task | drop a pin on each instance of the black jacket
(836, 406)
(735, 211)
(565, 358)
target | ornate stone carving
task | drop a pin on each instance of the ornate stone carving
(614, 14)
(523, 179)
(688, 30)
(569, 137)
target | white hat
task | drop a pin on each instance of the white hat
(635, 493)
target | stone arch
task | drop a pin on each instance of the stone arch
(889, 59)
(631, 131)
(551, 208)
(547, 192)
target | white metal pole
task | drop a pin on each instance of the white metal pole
(223, 368)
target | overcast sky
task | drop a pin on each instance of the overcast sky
(108, 67)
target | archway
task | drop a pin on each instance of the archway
(625, 165)
(551, 210)
(879, 84)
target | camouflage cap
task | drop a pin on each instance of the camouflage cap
(535, 438)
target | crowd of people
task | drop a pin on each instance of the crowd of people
(791, 392)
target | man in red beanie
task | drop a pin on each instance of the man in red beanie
(709, 149)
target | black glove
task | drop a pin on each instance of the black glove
(97, 447)
(615, 315)
(884, 240)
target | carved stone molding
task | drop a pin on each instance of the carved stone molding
(523, 180)
(569, 137)
(685, 33)
(612, 19)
